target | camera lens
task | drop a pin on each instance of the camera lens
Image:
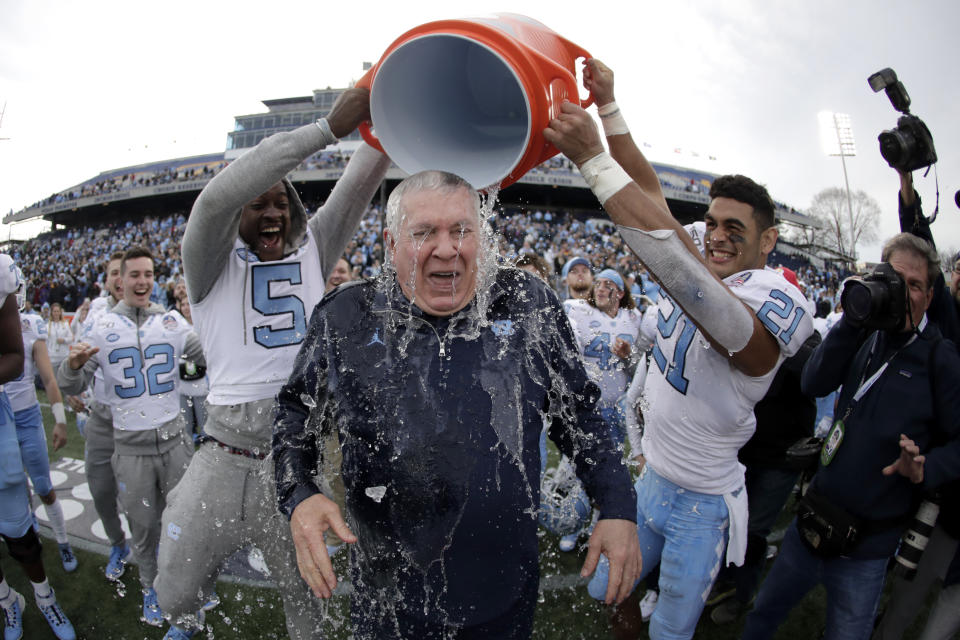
(858, 301)
(893, 146)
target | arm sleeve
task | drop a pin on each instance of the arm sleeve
(336, 221)
(827, 366)
(215, 218)
(73, 382)
(296, 449)
(585, 439)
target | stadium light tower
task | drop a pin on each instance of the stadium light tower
(836, 139)
(3, 111)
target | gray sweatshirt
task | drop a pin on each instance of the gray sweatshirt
(213, 227)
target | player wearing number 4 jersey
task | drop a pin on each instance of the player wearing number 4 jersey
(724, 328)
(255, 267)
(137, 346)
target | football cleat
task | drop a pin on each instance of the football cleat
(118, 561)
(66, 556)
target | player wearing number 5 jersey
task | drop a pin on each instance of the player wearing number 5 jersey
(724, 328)
(137, 346)
(255, 268)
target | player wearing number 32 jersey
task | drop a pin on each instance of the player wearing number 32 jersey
(137, 346)
(255, 268)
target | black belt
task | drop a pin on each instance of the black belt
(237, 451)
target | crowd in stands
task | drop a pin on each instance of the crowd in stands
(134, 180)
(322, 160)
(66, 266)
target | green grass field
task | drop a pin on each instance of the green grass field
(104, 610)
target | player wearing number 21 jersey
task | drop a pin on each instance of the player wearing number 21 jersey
(700, 407)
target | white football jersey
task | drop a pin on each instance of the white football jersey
(98, 307)
(21, 391)
(141, 368)
(254, 319)
(596, 332)
(9, 277)
(699, 407)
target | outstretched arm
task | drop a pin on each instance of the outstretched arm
(336, 221)
(598, 79)
(41, 360)
(11, 341)
(215, 219)
(659, 241)
(76, 371)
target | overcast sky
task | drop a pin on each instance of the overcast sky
(100, 85)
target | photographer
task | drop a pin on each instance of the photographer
(899, 398)
(908, 595)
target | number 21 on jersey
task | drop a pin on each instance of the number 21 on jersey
(673, 370)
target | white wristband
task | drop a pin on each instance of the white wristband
(58, 415)
(324, 126)
(612, 120)
(604, 176)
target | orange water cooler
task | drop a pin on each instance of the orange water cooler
(471, 96)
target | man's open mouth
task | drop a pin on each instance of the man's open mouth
(270, 236)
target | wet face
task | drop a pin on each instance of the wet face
(955, 281)
(137, 281)
(734, 242)
(579, 280)
(114, 282)
(340, 274)
(264, 223)
(607, 296)
(913, 269)
(436, 249)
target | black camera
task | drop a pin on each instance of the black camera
(879, 301)
(909, 145)
(915, 539)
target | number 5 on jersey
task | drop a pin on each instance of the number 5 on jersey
(264, 275)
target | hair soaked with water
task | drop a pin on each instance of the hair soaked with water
(425, 181)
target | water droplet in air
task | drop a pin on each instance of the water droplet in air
(376, 493)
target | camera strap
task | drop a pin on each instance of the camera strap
(866, 384)
(835, 437)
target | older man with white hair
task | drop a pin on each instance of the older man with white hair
(437, 378)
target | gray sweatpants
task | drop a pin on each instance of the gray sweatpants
(144, 482)
(99, 470)
(227, 502)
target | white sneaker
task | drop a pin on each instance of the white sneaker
(649, 604)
